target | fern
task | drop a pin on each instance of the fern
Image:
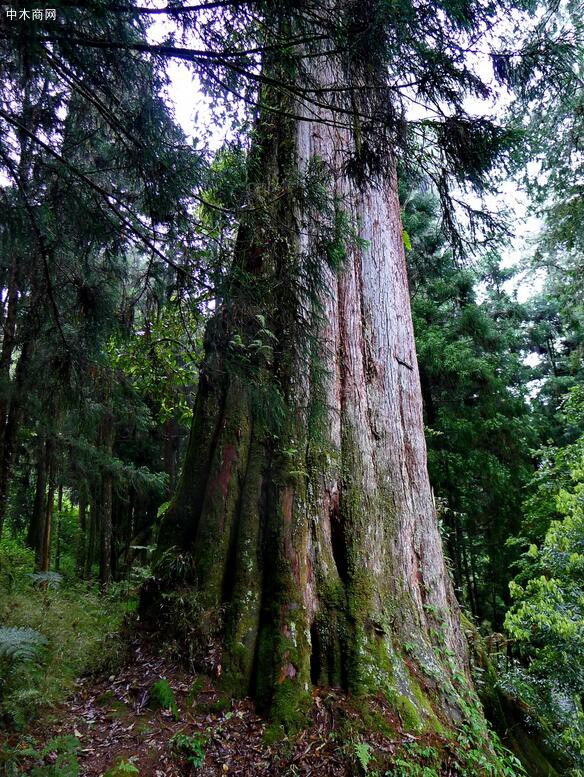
(48, 579)
(363, 754)
(161, 697)
(191, 749)
(20, 644)
(122, 769)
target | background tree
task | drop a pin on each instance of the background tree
(478, 422)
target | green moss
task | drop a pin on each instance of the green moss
(290, 705)
(408, 713)
(274, 733)
(430, 720)
(285, 699)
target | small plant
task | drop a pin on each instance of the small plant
(60, 752)
(20, 643)
(478, 750)
(174, 566)
(408, 764)
(190, 748)
(46, 579)
(362, 753)
(161, 697)
(404, 768)
(122, 769)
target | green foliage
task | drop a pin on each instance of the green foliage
(470, 756)
(122, 769)
(65, 632)
(190, 748)
(546, 619)
(46, 579)
(161, 362)
(362, 752)
(15, 560)
(473, 750)
(21, 644)
(477, 419)
(161, 697)
(175, 566)
(58, 758)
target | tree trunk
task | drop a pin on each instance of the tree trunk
(304, 499)
(36, 527)
(58, 528)
(105, 501)
(105, 522)
(8, 343)
(82, 541)
(90, 552)
(10, 429)
(49, 505)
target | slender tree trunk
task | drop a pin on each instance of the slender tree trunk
(105, 501)
(36, 527)
(49, 506)
(8, 343)
(82, 542)
(304, 500)
(10, 429)
(170, 436)
(478, 603)
(105, 557)
(467, 575)
(58, 528)
(92, 539)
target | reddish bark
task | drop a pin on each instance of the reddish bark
(326, 552)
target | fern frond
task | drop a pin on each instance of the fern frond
(50, 579)
(20, 644)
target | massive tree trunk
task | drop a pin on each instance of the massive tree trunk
(304, 500)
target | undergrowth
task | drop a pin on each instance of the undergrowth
(70, 631)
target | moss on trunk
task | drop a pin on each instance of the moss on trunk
(314, 547)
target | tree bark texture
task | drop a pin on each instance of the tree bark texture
(323, 557)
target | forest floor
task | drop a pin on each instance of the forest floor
(108, 723)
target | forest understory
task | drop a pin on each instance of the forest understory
(153, 717)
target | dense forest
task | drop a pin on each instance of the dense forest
(292, 390)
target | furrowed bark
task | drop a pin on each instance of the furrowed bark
(319, 552)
